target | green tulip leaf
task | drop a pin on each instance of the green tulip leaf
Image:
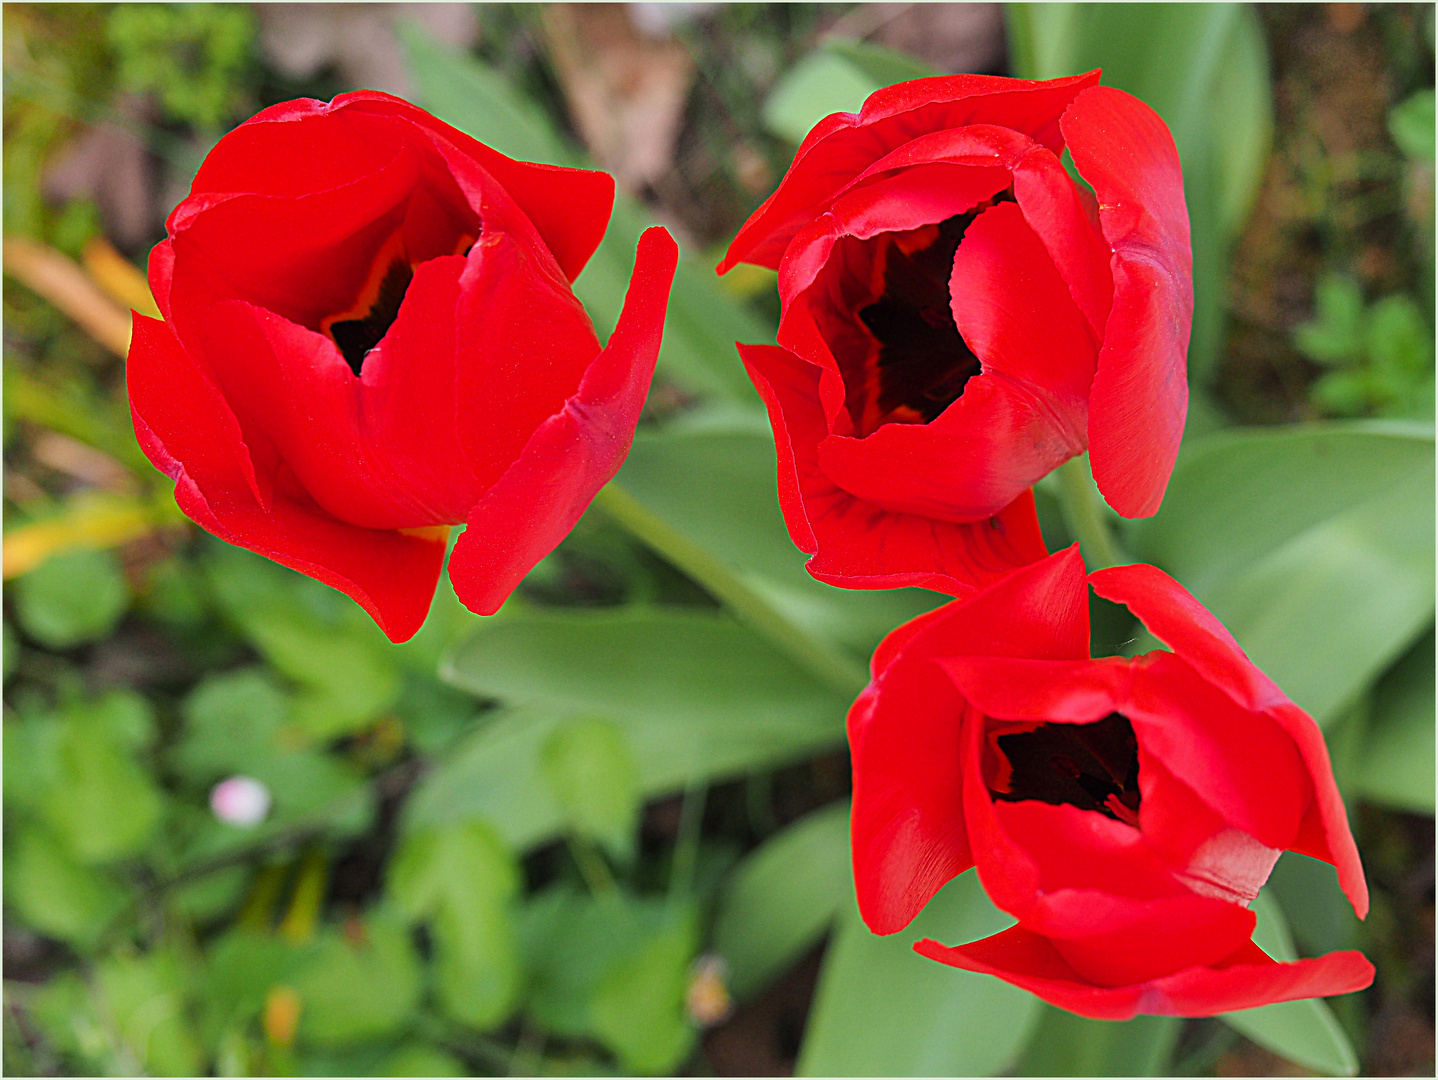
(881, 1009)
(782, 898)
(1312, 544)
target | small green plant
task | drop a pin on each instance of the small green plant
(1380, 354)
(193, 56)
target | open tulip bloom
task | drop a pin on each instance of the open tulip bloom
(369, 336)
(1124, 811)
(959, 317)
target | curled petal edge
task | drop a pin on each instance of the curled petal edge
(574, 453)
(188, 432)
(950, 558)
(1246, 980)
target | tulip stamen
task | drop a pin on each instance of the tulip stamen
(1091, 766)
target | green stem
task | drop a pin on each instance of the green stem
(592, 867)
(686, 845)
(817, 657)
(1083, 510)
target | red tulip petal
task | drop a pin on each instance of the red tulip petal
(984, 450)
(843, 145)
(1038, 610)
(275, 152)
(1018, 420)
(283, 152)
(1053, 207)
(1080, 849)
(1052, 204)
(1175, 617)
(569, 207)
(1016, 313)
(525, 343)
(574, 453)
(918, 196)
(1240, 762)
(856, 544)
(186, 428)
(1073, 691)
(906, 824)
(1030, 961)
(407, 419)
(1140, 394)
(905, 731)
(304, 258)
(1116, 940)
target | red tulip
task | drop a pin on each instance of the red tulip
(370, 336)
(1125, 812)
(959, 317)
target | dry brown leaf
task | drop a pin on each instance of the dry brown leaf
(61, 281)
(626, 91)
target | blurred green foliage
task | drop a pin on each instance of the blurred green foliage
(193, 56)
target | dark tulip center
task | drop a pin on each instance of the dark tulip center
(918, 361)
(359, 329)
(358, 335)
(1091, 766)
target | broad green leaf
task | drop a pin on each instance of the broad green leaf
(145, 1000)
(495, 774)
(344, 667)
(58, 896)
(1335, 335)
(614, 967)
(351, 990)
(637, 1009)
(697, 696)
(834, 78)
(240, 722)
(102, 805)
(1204, 69)
(346, 681)
(232, 720)
(1304, 1032)
(422, 1059)
(687, 667)
(1319, 915)
(718, 488)
(243, 966)
(462, 879)
(1064, 1044)
(72, 598)
(1411, 124)
(1396, 765)
(881, 1009)
(782, 898)
(702, 322)
(1313, 545)
(591, 771)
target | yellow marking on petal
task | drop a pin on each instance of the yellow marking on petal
(438, 534)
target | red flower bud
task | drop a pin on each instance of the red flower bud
(1125, 812)
(370, 336)
(959, 317)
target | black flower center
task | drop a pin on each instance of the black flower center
(919, 362)
(1091, 766)
(359, 329)
(356, 336)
